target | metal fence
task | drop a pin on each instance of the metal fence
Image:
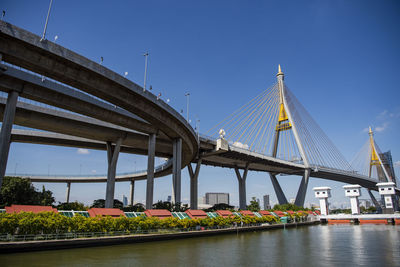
(64, 236)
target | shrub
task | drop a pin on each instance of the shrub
(54, 223)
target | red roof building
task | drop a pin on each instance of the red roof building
(247, 213)
(279, 213)
(161, 214)
(196, 214)
(29, 208)
(224, 213)
(265, 213)
(93, 212)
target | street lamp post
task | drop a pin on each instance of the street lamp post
(198, 128)
(146, 55)
(187, 106)
(47, 20)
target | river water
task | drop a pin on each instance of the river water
(322, 245)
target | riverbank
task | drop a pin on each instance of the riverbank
(7, 247)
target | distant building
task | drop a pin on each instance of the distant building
(292, 200)
(169, 198)
(267, 205)
(124, 200)
(366, 203)
(217, 198)
(202, 200)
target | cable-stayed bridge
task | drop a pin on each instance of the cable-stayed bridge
(74, 101)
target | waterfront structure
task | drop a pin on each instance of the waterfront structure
(387, 190)
(323, 193)
(353, 192)
(217, 198)
(267, 205)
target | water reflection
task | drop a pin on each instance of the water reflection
(358, 245)
(346, 245)
(325, 243)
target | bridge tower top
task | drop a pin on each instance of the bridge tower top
(374, 156)
(280, 74)
(285, 120)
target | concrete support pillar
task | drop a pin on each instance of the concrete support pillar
(387, 191)
(176, 169)
(242, 186)
(112, 156)
(150, 171)
(301, 194)
(131, 192)
(68, 191)
(278, 190)
(323, 193)
(194, 184)
(353, 192)
(5, 135)
(376, 203)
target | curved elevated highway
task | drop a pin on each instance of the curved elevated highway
(148, 124)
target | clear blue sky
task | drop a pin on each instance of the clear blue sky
(341, 59)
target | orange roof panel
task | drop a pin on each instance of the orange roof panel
(196, 214)
(93, 212)
(29, 208)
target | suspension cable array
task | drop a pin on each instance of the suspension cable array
(371, 162)
(262, 125)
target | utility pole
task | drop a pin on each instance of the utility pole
(47, 20)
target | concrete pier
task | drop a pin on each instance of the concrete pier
(5, 135)
(242, 186)
(150, 171)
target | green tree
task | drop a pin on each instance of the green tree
(101, 203)
(71, 206)
(254, 205)
(46, 197)
(16, 190)
(288, 206)
(179, 206)
(138, 207)
(371, 209)
(163, 205)
(220, 206)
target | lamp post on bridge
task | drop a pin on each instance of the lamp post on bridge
(187, 106)
(146, 55)
(47, 21)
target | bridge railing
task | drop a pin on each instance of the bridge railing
(158, 168)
